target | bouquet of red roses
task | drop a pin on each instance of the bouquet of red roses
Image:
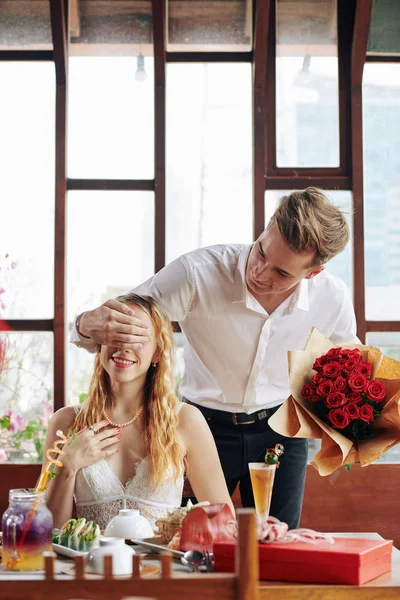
(347, 397)
(342, 393)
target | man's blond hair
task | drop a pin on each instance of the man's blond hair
(310, 223)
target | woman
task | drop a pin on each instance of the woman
(131, 441)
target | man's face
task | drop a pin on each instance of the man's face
(274, 268)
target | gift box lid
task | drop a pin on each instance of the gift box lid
(347, 551)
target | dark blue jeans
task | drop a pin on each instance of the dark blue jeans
(240, 444)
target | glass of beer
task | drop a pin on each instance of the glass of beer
(262, 481)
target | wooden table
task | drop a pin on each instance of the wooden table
(385, 587)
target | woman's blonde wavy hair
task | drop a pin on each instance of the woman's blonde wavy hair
(160, 417)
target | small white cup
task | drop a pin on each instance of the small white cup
(129, 523)
(120, 552)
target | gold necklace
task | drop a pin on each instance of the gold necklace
(122, 424)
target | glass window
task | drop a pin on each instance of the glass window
(108, 24)
(342, 264)
(384, 28)
(389, 344)
(307, 100)
(27, 126)
(209, 156)
(26, 395)
(25, 25)
(111, 117)
(110, 250)
(210, 26)
(381, 123)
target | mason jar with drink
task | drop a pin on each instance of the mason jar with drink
(27, 530)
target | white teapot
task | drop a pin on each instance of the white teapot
(120, 552)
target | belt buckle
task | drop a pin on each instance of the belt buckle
(234, 419)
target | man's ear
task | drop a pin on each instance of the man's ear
(315, 271)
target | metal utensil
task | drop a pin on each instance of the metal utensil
(194, 559)
(209, 561)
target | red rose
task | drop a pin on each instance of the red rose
(367, 413)
(349, 366)
(325, 388)
(334, 353)
(308, 392)
(355, 397)
(344, 353)
(355, 354)
(351, 410)
(338, 418)
(335, 400)
(340, 384)
(375, 390)
(364, 368)
(357, 382)
(320, 362)
(332, 370)
(317, 379)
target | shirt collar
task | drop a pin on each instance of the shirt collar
(300, 298)
(239, 287)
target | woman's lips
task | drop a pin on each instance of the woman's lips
(122, 363)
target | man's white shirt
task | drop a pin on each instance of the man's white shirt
(235, 352)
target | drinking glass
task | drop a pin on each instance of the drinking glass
(262, 481)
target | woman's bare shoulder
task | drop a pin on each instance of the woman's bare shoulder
(63, 418)
(190, 415)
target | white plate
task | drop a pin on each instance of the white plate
(68, 552)
(150, 544)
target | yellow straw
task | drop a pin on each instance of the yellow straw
(52, 460)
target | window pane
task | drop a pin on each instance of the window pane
(342, 264)
(111, 118)
(381, 122)
(389, 343)
(307, 100)
(25, 25)
(110, 250)
(209, 156)
(26, 395)
(384, 28)
(27, 189)
(210, 26)
(105, 25)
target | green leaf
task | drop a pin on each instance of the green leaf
(347, 466)
(5, 422)
(82, 397)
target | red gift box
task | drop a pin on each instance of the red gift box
(348, 561)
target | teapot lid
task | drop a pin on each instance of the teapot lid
(111, 541)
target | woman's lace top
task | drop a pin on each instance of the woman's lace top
(99, 494)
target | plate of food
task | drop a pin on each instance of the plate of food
(194, 527)
(76, 538)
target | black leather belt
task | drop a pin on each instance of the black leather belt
(236, 418)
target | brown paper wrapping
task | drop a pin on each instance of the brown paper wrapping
(295, 419)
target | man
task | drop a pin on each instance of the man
(241, 309)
